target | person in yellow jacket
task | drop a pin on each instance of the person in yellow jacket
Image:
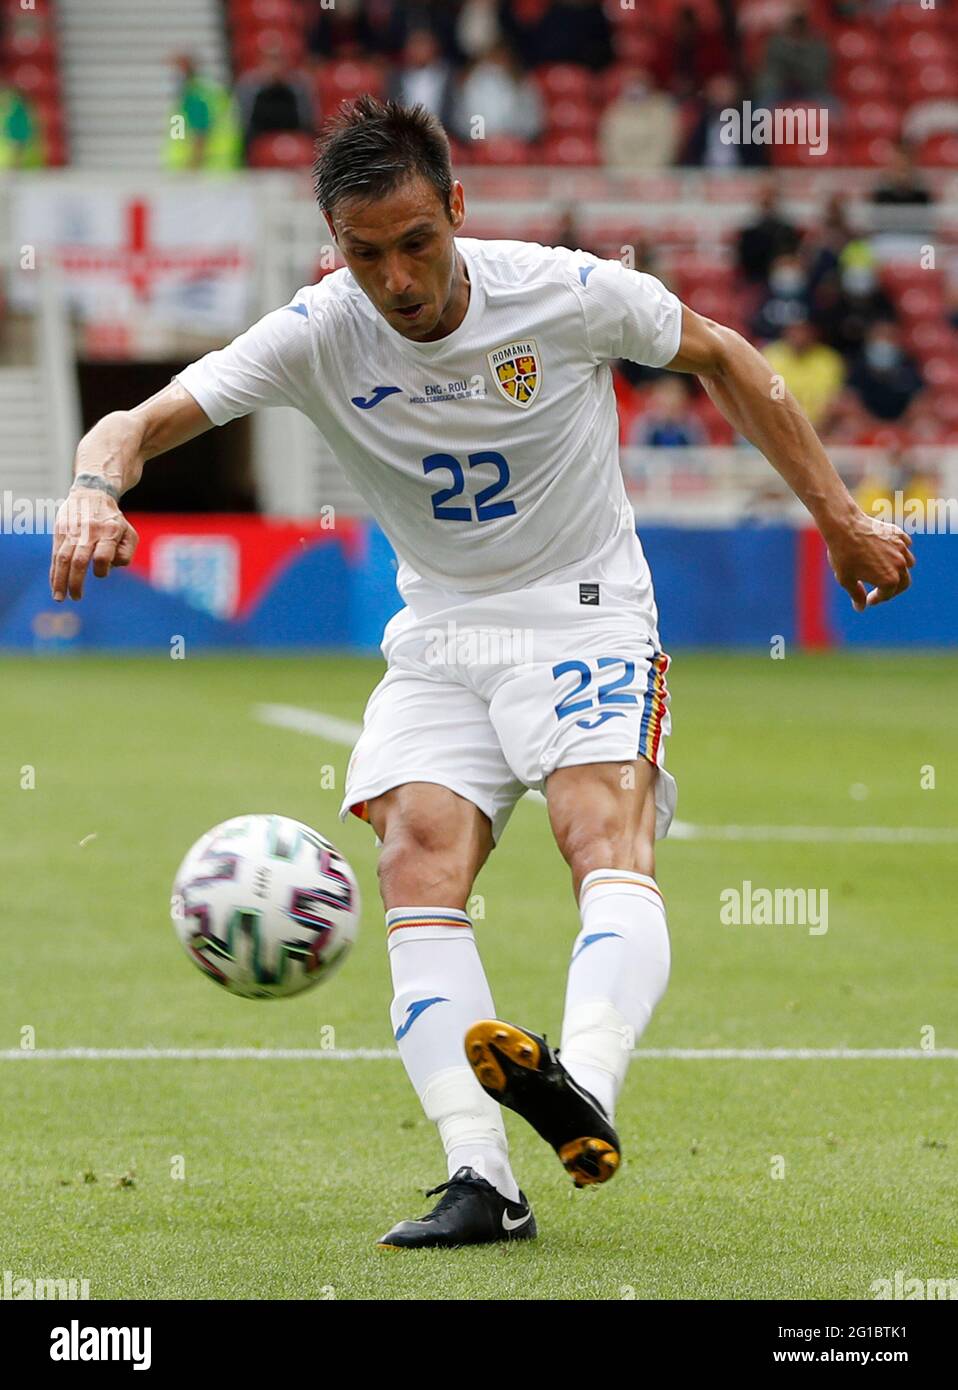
(21, 146)
(812, 371)
(204, 131)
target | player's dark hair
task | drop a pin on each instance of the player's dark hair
(370, 147)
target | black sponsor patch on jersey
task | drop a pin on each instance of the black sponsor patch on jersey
(589, 593)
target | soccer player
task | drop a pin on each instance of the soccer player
(465, 387)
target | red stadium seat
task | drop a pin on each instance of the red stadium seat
(864, 80)
(931, 338)
(801, 156)
(287, 150)
(280, 14)
(502, 149)
(932, 80)
(941, 373)
(31, 45)
(252, 45)
(714, 303)
(944, 405)
(695, 274)
(905, 19)
(565, 80)
(869, 152)
(918, 302)
(33, 80)
(56, 149)
(346, 79)
(925, 47)
(570, 149)
(870, 117)
(573, 114)
(939, 151)
(636, 48)
(860, 45)
(897, 277)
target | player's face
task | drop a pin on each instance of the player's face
(401, 252)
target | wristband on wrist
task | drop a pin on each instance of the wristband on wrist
(99, 483)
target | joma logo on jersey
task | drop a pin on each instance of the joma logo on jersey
(517, 371)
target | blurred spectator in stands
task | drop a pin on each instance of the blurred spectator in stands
(899, 184)
(644, 260)
(570, 31)
(668, 421)
(689, 53)
(21, 144)
(705, 146)
(797, 63)
(386, 26)
(271, 99)
(640, 129)
(496, 89)
(568, 234)
(812, 371)
(478, 28)
(825, 245)
(875, 494)
(770, 235)
(424, 77)
(337, 31)
(849, 301)
(883, 376)
(787, 299)
(204, 131)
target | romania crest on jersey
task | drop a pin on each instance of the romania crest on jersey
(517, 371)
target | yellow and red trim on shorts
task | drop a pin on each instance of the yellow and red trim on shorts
(653, 716)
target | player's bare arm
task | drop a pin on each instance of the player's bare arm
(90, 526)
(862, 550)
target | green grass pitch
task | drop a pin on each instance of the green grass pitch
(293, 1168)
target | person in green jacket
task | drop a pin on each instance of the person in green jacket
(204, 131)
(20, 144)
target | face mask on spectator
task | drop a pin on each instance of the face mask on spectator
(858, 279)
(786, 280)
(882, 355)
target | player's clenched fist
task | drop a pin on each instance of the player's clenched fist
(89, 528)
(869, 551)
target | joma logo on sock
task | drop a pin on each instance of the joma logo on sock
(76, 1343)
(775, 907)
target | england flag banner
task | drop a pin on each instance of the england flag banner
(177, 257)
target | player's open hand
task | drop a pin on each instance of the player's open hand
(89, 528)
(869, 551)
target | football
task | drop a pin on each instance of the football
(265, 906)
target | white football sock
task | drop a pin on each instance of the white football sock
(617, 975)
(440, 989)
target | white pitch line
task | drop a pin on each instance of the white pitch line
(389, 1054)
(343, 731)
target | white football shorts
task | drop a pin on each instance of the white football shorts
(489, 697)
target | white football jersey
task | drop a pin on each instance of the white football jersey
(490, 457)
